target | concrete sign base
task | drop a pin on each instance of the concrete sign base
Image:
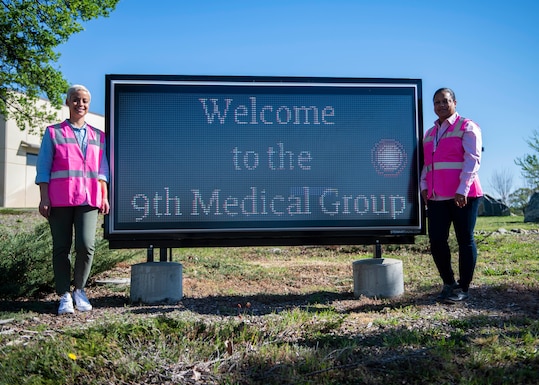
(378, 277)
(156, 282)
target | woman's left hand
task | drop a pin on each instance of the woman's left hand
(105, 206)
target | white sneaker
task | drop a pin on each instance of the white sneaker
(81, 300)
(66, 305)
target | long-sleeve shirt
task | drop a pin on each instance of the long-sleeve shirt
(472, 144)
(46, 155)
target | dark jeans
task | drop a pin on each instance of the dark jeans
(441, 214)
(62, 221)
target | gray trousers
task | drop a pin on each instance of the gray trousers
(62, 221)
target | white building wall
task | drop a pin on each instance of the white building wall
(18, 154)
(17, 191)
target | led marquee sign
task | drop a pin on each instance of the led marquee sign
(219, 161)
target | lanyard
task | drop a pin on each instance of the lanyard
(439, 135)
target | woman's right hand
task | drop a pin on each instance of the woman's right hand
(425, 195)
(45, 208)
(45, 202)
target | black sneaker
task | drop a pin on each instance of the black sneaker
(458, 296)
(446, 292)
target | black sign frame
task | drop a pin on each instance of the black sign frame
(146, 211)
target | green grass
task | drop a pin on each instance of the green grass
(507, 222)
(296, 349)
(406, 340)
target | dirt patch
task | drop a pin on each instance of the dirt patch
(113, 300)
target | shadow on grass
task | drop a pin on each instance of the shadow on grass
(523, 302)
(510, 300)
(256, 305)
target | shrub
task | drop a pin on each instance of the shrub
(26, 261)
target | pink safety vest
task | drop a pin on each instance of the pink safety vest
(444, 165)
(74, 179)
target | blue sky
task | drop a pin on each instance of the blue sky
(486, 51)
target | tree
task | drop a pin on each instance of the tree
(29, 32)
(502, 183)
(529, 164)
(519, 199)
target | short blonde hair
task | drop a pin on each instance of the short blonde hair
(77, 87)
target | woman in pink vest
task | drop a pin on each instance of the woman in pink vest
(72, 174)
(451, 190)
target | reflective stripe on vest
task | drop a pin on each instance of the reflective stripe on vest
(457, 132)
(73, 174)
(63, 140)
(445, 166)
(74, 179)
